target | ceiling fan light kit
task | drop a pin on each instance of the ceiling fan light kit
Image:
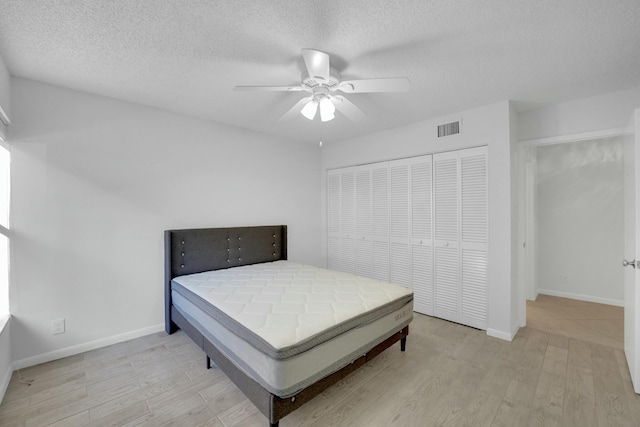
(310, 109)
(322, 82)
(327, 109)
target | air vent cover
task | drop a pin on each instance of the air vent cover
(452, 128)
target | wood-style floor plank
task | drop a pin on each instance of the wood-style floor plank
(450, 375)
(548, 401)
(579, 405)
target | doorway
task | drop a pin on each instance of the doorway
(574, 230)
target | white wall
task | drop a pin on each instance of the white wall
(580, 227)
(602, 112)
(95, 183)
(489, 126)
(5, 333)
(5, 99)
(518, 300)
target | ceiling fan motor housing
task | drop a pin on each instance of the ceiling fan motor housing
(311, 82)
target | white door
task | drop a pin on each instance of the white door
(333, 220)
(461, 236)
(400, 257)
(358, 220)
(474, 237)
(446, 263)
(380, 220)
(421, 219)
(364, 252)
(631, 245)
(348, 221)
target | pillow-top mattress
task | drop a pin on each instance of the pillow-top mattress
(288, 324)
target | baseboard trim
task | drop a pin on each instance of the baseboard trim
(81, 348)
(4, 329)
(502, 334)
(5, 382)
(581, 297)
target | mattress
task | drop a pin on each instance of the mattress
(286, 324)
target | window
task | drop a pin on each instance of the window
(5, 160)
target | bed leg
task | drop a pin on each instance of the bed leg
(274, 424)
(403, 344)
(208, 362)
(170, 327)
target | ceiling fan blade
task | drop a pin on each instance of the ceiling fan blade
(392, 84)
(317, 63)
(295, 110)
(268, 88)
(347, 108)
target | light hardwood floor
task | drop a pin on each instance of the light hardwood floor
(588, 321)
(450, 375)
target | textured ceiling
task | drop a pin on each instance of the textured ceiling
(187, 55)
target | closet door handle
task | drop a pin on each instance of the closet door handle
(633, 263)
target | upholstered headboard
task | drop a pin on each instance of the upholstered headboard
(196, 250)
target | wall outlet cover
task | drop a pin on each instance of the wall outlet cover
(57, 326)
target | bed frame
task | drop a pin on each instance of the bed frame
(196, 250)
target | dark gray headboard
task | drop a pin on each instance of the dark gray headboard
(196, 250)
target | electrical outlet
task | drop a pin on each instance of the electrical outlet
(57, 326)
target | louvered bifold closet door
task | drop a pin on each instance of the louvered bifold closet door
(422, 234)
(461, 236)
(341, 220)
(347, 221)
(400, 246)
(474, 237)
(380, 220)
(333, 220)
(363, 224)
(446, 236)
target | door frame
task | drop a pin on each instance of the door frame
(526, 209)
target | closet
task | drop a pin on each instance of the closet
(419, 222)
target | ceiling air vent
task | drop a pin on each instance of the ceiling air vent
(452, 128)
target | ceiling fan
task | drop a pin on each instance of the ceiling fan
(323, 83)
